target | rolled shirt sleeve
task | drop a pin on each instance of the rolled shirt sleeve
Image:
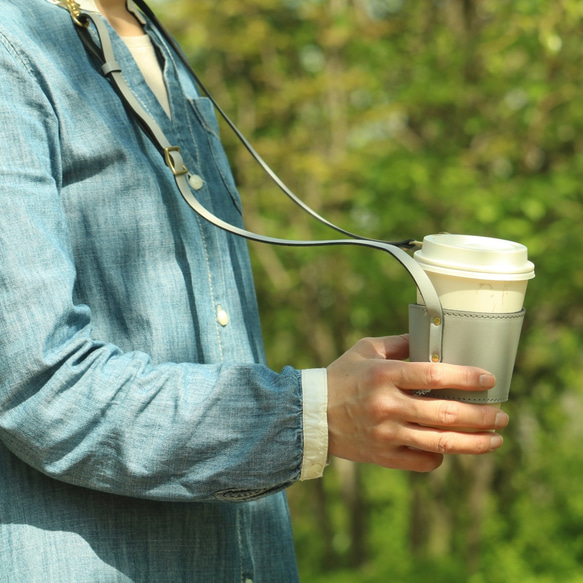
(114, 372)
(315, 402)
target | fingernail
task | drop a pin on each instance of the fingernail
(487, 381)
(502, 420)
(495, 442)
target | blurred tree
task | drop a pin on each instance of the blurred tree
(398, 119)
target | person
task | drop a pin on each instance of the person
(143, 437)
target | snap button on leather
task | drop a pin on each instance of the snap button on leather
(222, 316)
(195, 181)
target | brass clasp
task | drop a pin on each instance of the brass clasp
(170, 162)
(75, 12)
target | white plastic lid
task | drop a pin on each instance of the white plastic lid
(475, 257)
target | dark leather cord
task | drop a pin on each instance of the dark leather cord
(173, 158)
(405, 244)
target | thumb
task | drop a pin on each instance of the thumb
(385, 347)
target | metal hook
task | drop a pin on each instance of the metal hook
(75, 11)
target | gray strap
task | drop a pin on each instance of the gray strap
(173, 158)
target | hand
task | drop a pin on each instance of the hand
(375, 417)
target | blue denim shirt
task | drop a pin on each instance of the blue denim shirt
(135, 404)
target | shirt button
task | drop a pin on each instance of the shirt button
(222, 316)
(195, 181)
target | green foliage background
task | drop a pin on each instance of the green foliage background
(397, 119)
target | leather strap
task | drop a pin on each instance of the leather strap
(410, 244)
(173, 159)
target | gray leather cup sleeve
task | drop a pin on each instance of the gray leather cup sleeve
(489, 341)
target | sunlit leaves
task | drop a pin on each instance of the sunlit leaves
(398, 119)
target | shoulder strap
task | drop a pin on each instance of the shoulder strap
(173, 159)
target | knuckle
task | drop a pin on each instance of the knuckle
(365, 344)
(375, 412)
(444, 443)
(379, 374)
(434, 376)
(382, 434)
(381, 411)
(447, 413)
(373, 376)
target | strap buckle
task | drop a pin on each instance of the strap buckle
(75, 11)
(172, 163)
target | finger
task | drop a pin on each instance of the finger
(385, 347)
(435, 376)
(445, 442)
(451, 414)
(396, 347)
(413, 460)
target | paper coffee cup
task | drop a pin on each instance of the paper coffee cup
(476, 274)
(481, 283)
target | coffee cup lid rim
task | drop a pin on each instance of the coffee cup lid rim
(476, 257)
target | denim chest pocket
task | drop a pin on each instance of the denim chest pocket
(213, 158)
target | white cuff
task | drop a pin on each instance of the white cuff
(315, 422)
